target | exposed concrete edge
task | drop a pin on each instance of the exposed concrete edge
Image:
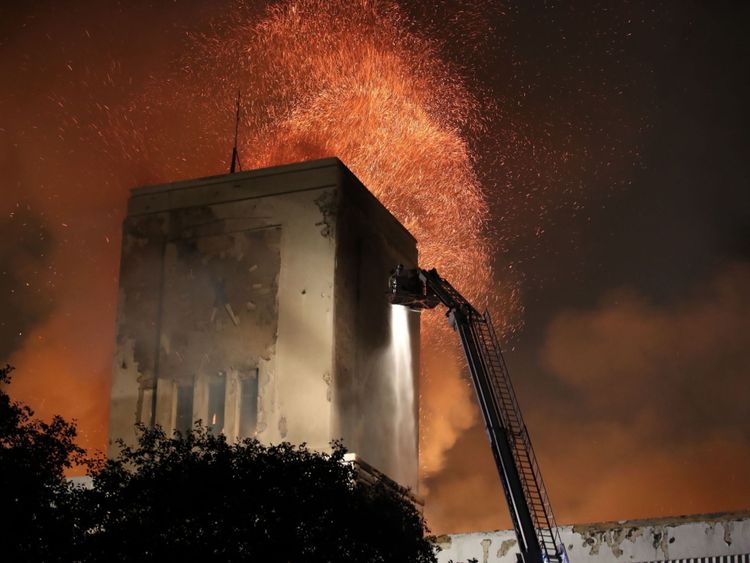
(592, 527)
(259, 183)
(664, 521)
(369, 475)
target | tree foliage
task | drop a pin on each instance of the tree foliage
(198, 497)
(35, 497)
(194, 497)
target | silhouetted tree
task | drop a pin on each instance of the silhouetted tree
(38, 515)
(195, 497)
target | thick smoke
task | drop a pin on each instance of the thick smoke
(667, 386)
(631, 362)
(26, 279)
(651, 401)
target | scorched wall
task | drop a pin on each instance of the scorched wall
(255, 302)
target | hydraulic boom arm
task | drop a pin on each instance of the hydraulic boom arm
(527, 499)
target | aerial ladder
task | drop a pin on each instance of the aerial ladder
(525, 494)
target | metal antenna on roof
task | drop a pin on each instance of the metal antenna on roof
(235, 155)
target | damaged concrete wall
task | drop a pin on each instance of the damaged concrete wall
(255, 302)
(371, 242)
(218, 327)
(637, 541)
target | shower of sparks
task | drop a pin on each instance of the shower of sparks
(348, 79)
(334, 78)
(352, 79)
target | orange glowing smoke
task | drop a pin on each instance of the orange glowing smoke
(337, 78)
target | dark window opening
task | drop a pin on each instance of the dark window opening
(216, 394)
(184, 414)
(249, 406)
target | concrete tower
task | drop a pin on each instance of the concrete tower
(256, 303)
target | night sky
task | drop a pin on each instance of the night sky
(612, 147)
(632, 364)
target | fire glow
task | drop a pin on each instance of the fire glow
(551, 128)
(346, 79)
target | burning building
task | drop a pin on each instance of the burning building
(255, 303)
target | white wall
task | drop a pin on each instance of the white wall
(627, 541)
